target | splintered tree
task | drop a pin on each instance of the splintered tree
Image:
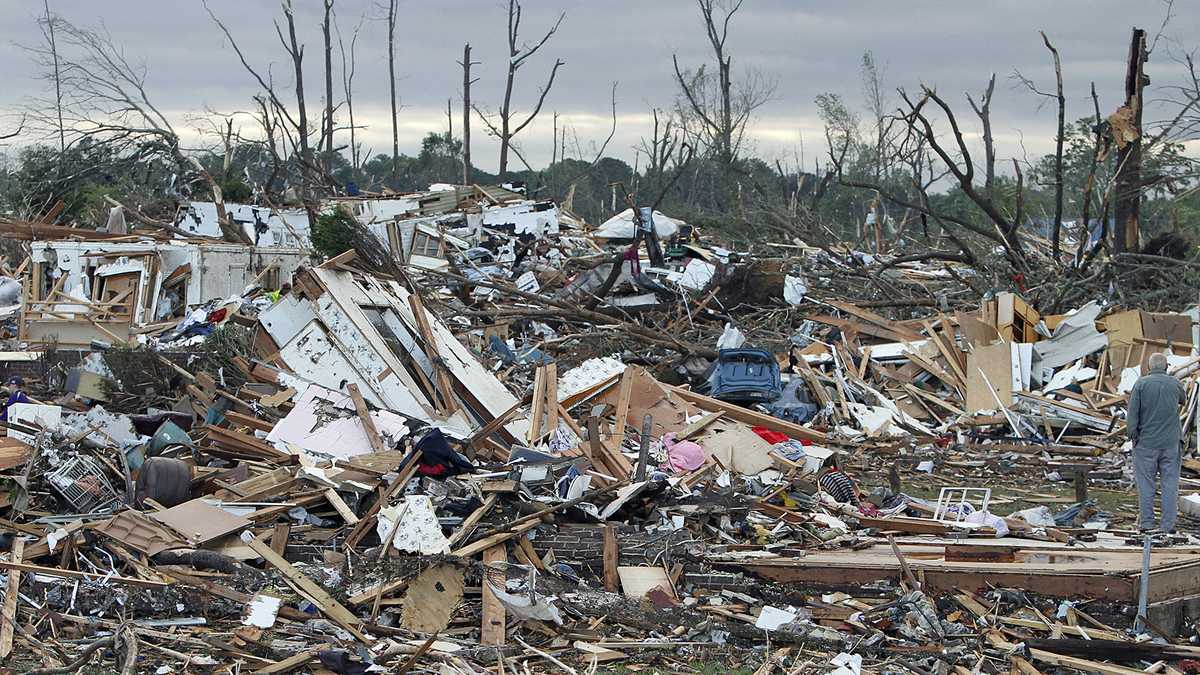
(279, 119)
(391, 40)
(1127, 131)
(327, 128)
(348, 68)
(101, 101)
(466, 64)
(722, 107)
(504, 127)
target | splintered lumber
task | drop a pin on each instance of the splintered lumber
(469, 523)
(292, 662)
(335, 500)
(306, 586)
(745, 415)
(612, 582)
(213, 588)
(491, 631)
(699, 425)
(11, 595)
(360, 406)
(444, 402)
(367, 521)
(72, 574)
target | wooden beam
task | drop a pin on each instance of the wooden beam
(72, 574)
(11, 595)
(341, 506)
(491, 632)
(747, 416)
(308, 588)
(612, 581)
(445, 387)
(364, 415)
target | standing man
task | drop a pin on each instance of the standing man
(1153, 426)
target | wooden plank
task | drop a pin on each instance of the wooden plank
(292, 662)
(445, 386)
(623, 395)
(307, 587)
(747, 416)
(539, 404)
(551, 398)
(699, 425)
(11, 595)
(72, 574)
(491, 631)
(612, 582)
(469, 523)
(378, 590)
(341, 506)
(492, 540)
(1082, 664)
(364, 415)
(279, 537)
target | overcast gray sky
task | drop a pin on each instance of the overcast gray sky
(807, 47)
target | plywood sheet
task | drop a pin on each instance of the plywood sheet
(200, 522)
(431, 599)
(989, 364)
(636, 582)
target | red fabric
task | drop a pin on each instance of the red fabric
(769, 436)
(217, 316)
(435, 470)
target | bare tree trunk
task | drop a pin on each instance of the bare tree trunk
(328, 131)
(1085, 233)
(984, 111)
(296, 50)
(518, 54)
(62, 135)
(1056, 233)
(514, 23)
(466, 121)
(1129, 150)
(391, 21)
(348, 86)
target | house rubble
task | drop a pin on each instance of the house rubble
(491, 437)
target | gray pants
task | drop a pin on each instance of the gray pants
(1149, 467)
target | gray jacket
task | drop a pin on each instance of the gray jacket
(1153, 420)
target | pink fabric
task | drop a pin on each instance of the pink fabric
(683, 455)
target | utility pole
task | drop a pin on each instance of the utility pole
(1126, 233)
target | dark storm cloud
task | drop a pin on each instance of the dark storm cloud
(806, 47)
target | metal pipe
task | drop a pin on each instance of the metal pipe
(1144, 590)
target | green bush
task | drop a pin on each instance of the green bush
(334, 233)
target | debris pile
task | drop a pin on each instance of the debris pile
(490, 437)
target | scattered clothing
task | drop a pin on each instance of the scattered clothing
(839, 486)
(683, 456)
(438, 459)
